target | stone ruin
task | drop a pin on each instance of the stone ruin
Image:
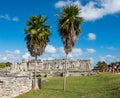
(28, 65)
(18, 78)
(57, 64)
(71, 65)
(50, 67)
(14, 86)
(56, 67)
(15, 80)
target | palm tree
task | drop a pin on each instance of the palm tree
(69, 29)
(37, 37)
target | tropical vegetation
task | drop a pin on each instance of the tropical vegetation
(37, 37)
(69, 29)
(5, 64)
(101, 65)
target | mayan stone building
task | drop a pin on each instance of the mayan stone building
(57, 64)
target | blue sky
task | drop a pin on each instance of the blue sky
(99, 40)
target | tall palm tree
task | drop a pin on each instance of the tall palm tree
(69, 29)
(37, 37)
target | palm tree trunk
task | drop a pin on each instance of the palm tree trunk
(65, 72)
(35, 85)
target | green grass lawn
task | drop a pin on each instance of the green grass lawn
(104, 85)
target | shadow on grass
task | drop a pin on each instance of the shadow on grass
(61, 90)
(52, 89)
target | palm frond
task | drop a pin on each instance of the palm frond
(69, 26)
(37, 35)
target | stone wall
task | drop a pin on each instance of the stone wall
(54, 73)
(59, 64)
(82, 73)
(14, 86)
(28, 65)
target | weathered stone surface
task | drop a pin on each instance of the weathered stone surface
(58, 64)
(18, 78)
(14, 85)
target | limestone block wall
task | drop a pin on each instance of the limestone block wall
(58, 64)
(14, 86)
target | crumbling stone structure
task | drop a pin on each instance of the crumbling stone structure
(11, 86)
(60, 64)
(18, 78)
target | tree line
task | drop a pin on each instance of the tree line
(5, 64)
(102, 65)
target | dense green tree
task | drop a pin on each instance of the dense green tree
(5, 64)
(113, 63)
(8, 63)
(101, 65)
(37, 37)
(69, 29)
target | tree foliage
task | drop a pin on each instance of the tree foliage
(113, 63)
(5, 64)
(101, 65)
(69, 26)
(69, 30)
(37, 35)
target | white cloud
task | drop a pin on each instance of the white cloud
(111, 48)
(61, 49)
(55, 55)
(8, 18)
(90, 50)
(61, 3)
(76, 52)
(15, 19)
(11, 56)
(59, 53)
(4, 58)
(26, 55)
(90, 12)
(50, 58)
(108, 47)
(111, 6)
(50, 49)
(94, 10)
(17, 51)
(91, 59)
(108, 58)
(7, 52)
(91, 36)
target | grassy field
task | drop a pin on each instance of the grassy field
(104, 85)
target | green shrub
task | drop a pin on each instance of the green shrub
(5, 64)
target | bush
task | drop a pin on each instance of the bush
(5, 64)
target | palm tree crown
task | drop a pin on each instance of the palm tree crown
(37, 35)
(69, 26)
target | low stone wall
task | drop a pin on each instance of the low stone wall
(82, 73)
(14, 86)
(53, 73)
